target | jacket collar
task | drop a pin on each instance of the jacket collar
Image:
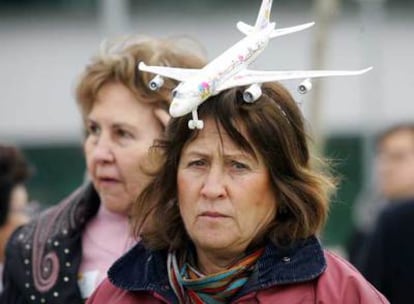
(144, 270)
(303, 261)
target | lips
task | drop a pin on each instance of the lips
(213, 214)
(107, 180)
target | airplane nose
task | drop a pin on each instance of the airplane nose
(175, 109)
(182, 106)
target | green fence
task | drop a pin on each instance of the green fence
(58, 171)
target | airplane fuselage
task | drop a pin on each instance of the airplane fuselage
(218, 71)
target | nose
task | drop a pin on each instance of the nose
(102, 150)
(214, 184)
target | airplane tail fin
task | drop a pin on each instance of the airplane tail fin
(262, 20)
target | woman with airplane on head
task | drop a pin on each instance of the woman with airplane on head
(232, 214)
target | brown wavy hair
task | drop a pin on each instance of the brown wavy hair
(274, 127)
(118, 59)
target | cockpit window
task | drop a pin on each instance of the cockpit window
(174, 93)
(178, 94)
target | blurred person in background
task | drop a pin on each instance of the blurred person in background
(393, 182)
(387, 260)
(233, 214)
(14, 172)
(395, 154)
(62, 256)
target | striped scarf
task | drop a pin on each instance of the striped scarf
(193, 287)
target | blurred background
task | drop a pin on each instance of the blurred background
(44, 45)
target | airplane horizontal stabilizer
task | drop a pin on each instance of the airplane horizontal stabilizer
(245, 28)
(288, 30)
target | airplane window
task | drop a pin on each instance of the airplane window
(178, 94)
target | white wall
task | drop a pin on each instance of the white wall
(41, 56)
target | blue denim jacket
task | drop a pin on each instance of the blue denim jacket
(144, 270)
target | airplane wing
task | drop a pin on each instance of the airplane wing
(179, 74)
(248, 77)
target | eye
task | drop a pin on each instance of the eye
(239, 165)
(197, 163)
(92, 129)
(122, 133)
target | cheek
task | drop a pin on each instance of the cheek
(265, 204)
(186, 197)
(183, 187)
(132, 165)
(88, 150)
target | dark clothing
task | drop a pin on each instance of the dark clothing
(355, 244)
(388, 262)
(302, 262)
(303, 273)
(43, 257)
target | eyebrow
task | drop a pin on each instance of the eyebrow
(236, 155)
(113, 125)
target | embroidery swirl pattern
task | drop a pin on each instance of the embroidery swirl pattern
(45, 265)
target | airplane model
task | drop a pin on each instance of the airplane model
(230, 70)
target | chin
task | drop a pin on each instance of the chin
(115, 206)
(213, 244)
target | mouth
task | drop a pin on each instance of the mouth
(213, 215)
(107, 181)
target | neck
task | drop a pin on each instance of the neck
(210, 262)
(111, 216)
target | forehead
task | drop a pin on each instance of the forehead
(213, 136)
(401, 139)
(114, 102)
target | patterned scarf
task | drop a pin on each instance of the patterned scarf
(193, 287)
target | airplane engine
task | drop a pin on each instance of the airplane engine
(252, 93)
(305, 86)
(156, 83)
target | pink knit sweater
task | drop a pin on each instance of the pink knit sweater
(106, 237)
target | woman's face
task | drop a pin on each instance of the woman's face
(224, 194)
(120, 131)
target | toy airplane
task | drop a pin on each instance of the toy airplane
(230, 70)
